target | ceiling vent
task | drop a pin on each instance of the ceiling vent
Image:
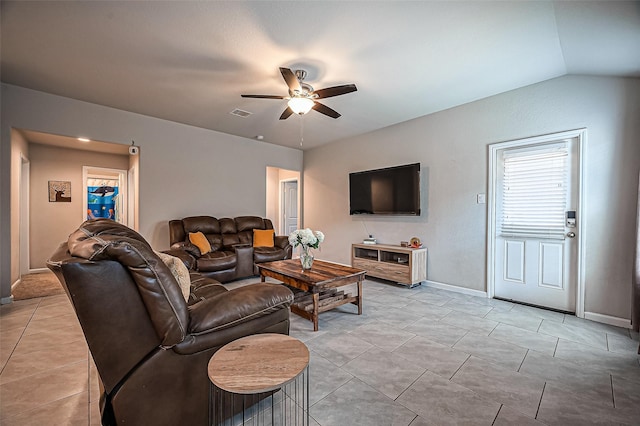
(240, 113)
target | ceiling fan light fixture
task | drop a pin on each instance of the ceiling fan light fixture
(300, 105)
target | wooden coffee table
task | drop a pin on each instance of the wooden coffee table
(318, 285)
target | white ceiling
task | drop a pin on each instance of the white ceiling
(189, 61)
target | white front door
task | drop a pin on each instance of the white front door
(289, 206)
(536, 236)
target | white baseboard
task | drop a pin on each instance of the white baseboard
(606, 319)
(456, 288)
(38, 270)
(7, 300)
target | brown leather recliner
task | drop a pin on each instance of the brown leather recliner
(150, 346)
(232, 255)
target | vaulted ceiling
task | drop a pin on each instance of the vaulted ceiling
(189, 62)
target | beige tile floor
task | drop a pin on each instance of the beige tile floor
(416, 357)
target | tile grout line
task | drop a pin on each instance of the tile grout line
(497, 414)
(461, 365)
(544, 387)
(522, 362)
(21, 336)
(407, 388)
(613, 395)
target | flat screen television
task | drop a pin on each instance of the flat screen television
(390, 191)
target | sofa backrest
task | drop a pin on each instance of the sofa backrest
(113, 316)
(221, 233)
(104, 239)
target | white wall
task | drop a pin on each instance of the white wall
(273, 195)
(184, 170)
(452, 148)
(51, 223)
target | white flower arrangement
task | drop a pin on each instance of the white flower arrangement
(306, 238)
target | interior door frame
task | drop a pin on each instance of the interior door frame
(25, 218)
(281, 206)
(89, 171)
(494, 149)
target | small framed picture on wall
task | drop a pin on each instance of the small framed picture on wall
(59, 191)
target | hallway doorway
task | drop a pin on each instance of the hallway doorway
(283, 196)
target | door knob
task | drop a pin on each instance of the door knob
(571, 234)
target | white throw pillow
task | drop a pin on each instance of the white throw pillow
(179, 271)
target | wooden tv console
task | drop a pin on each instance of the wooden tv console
(403, 265)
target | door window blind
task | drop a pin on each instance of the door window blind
(535, 192)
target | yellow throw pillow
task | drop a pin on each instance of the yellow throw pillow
(263, 237)
(199, 240)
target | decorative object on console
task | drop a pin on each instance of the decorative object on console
(370, 240)
(307, 239)
(415, 242)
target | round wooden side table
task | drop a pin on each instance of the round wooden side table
(258, 380)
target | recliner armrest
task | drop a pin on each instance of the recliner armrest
(188, 260)
(238, 306)
(244, 253)
(190, 248)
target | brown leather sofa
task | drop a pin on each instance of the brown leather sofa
(151, 342)
(232, 255)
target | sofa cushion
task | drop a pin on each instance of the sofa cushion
(204, 224)
(263, 237)
(248, 223)
(230, 240)
(203, 288)
(217, 261)
(238, 306)
(267, 254)
(199, 240)
(228, 226)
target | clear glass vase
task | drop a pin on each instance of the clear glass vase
(306, 259)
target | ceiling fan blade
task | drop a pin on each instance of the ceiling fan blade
(335, 91)
(291, 79)
(287, 112)
(264, 96)
(323, 109)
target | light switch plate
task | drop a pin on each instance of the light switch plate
(481, 198)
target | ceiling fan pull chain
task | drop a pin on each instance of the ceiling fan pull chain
(301, 130)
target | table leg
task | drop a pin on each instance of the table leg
(360, 297)
(262, 278)
(316, 301)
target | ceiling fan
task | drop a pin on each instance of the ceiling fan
(302, 97)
